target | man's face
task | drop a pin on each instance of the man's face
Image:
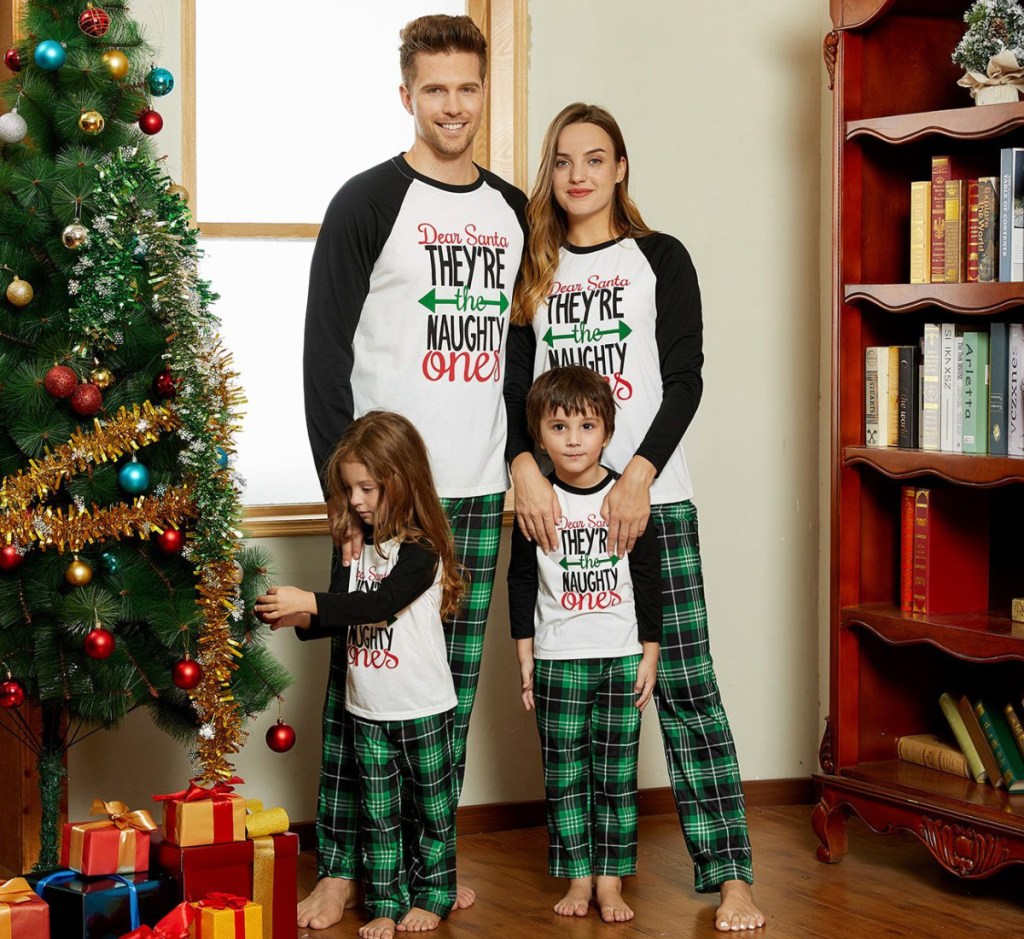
(446, 100)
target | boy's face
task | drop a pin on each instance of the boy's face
(574, 443)
(446, 100)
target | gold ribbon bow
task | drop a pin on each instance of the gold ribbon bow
(122, 817)
(16, 890)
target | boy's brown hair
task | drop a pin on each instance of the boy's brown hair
(574, 389)
(439, 32)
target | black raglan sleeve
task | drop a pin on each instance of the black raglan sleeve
(522, 347)
(645, 569)
(679, 336)
(355, 228)
(522, 586)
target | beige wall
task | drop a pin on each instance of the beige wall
(726, 128)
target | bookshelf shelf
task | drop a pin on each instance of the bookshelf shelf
(974, 637)
(896, 105)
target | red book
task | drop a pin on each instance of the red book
(951, 551)
(943, 169)
(972, 231)
(907, 549)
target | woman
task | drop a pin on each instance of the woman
(600, 289)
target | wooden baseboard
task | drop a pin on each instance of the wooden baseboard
(505, 816)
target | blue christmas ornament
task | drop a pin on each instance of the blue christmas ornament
(50, 55)
(222, 458)
(109, 562)
(133, 478)
(160, 82)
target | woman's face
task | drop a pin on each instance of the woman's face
(585, 174)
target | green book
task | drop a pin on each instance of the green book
(975, 411)
(963, 738)
(997, 732)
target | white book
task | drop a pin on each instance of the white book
(947, 369)
(931, 371)
(1015, 390)
(872, 405)
(958, 395)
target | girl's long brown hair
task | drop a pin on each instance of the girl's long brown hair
(409, 509)
(547, 221)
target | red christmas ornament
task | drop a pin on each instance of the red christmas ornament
(60, 381)
(150, 122)
(12, 693)
(170, 540)
(94, 22)
(10, 558)
(12, 59)
(99, 644)
(86, 400)
(165, 384)
(280, 737)
(186, 673)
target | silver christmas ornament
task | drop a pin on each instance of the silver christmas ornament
(75, 235)
(12, 127)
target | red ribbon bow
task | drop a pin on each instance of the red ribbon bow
(219, 792)
(223, 901)
(175, 925)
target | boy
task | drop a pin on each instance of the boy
(587, 625)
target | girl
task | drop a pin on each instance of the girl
(599, 288)
(399, 693)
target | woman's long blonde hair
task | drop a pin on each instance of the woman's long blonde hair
(547, 222)
(409, 509)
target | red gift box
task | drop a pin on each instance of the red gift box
(22, 914)
(204, 815)
(117, 845)
(261, 869)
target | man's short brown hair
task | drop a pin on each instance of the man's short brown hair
(439, 32)
(574, 389)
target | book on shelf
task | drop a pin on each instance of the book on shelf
(1011, 214)
(950, 550)
(1016, 728)
(907, 393)
(947, 387)
(921, 232)
(891, 399)
(932, 751)
(973, 726)
(975, 407)
(963, 739)
(908, 497)
(1015, 390)
(958, 392)
(997, 388)
(943, 170)
(872, 436)
(971, 269)
(955, 231)
(931, 371)
(997, 732)
(988, 229)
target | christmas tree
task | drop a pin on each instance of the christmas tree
(994, 26)
(123, 579)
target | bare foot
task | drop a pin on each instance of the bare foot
(326, 905)
(417, 920)
(608, 894)
(465, 897)
(737, 909)
(576, 901)
(383, 927)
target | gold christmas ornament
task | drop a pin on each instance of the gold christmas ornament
(101, 377)
(91, 122)
(178, 190)
(20, 292)
(116, 62)
(78, 573)
(75, 235)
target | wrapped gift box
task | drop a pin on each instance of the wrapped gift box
(119, 844)
(199, 816)
(261, 869)
(100, 907)
(22, 914)
(224, 916)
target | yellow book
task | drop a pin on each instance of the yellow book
(934, 752)
(920, 232)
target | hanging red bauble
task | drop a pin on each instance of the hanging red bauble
(60, 381)
(12, 693)
(86, 400)
(187, 673)
(12, 59)
(99, 644)
(94, 22)
(150, 122)
(10, 558)
(281, 737)
(170, 540)
(165, 384)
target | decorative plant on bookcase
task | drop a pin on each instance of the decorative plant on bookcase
(991, 51)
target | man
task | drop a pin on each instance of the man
(409, 289)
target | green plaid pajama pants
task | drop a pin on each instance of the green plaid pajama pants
(476, 526)
(590, 738)
(699, 748)
(408, 798)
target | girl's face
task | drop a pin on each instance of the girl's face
(585, 174)
(364, 492)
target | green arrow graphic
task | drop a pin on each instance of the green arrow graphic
(611, 559)
(432, 301)
(621, 329)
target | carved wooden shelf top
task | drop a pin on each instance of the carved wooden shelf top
(968, 123)
(968, 299)
(970, 469)
(977, 637)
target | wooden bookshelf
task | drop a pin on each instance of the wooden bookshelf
(896, 104)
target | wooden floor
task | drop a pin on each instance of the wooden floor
(887, 886)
